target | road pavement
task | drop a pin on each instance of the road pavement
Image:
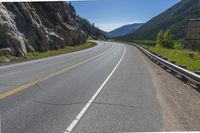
(104, 89)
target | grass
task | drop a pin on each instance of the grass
(7, 58)
(67, 49)
(181, 57)
(39, 55)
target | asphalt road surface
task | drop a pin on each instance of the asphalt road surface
(104, 89)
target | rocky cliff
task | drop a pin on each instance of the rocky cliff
(38, 26)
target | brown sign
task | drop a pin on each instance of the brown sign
(193, 29)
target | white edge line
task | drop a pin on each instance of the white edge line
(85, 108)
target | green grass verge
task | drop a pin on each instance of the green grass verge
(181, 57)
(39, 55)
(67, 49)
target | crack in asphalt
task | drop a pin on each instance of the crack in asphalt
(75, 103)
(58, 104)
(115, 104)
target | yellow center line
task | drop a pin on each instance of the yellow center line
(28, 85)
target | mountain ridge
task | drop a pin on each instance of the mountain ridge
(124, 30)
(174, 19)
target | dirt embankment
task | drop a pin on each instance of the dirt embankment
(180, 103)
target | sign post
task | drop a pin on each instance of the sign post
(193, 29)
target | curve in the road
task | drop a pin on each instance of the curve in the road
(21, 88)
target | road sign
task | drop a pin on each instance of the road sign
(193, 29)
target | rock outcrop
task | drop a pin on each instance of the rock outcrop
(38, 26)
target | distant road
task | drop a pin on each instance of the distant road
(104, 89)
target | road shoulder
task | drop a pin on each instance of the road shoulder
(180, 103)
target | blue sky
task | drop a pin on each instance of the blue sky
(111, 14)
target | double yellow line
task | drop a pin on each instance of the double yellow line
(26, 86)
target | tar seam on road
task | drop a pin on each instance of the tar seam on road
(88, 104)
(26, 86)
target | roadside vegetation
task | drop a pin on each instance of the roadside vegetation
(6, 59)
(181, 57)
(185, 53)
(66, 49)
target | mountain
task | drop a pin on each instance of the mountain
(39, 26)
(174, 19)
(124, 30)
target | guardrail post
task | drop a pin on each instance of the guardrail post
(173, 62)
(165, 58)
(183, 66)
(197, 72)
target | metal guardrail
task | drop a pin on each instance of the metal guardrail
(183, 72)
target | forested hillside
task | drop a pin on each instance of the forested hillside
(173, 19)
(90, 29)
(124, 30)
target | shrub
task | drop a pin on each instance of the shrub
(177, 45)
(164, 39)
(160, 39)
(191, 55)
(168, 42)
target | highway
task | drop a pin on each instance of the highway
(104, 89)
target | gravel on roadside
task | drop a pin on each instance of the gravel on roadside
(179, 102)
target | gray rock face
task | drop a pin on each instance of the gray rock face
(39, 26)
(9, 34)
(5, 51)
